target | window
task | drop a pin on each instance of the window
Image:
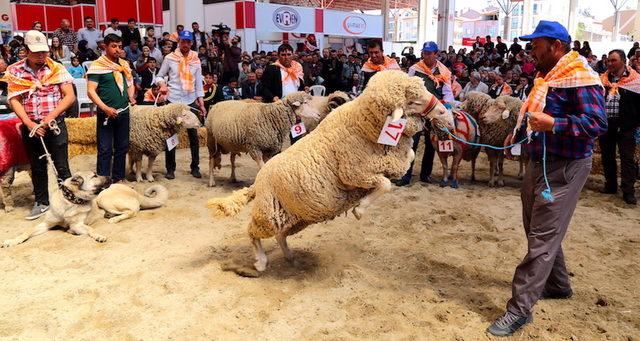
(535, 9)
(515, 23)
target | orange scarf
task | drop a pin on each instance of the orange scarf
(506, 90)
(104, 65)
(631, 82)
(18, 86)
(389, 64)
(293, 73)
(571, 71)
(443, 77)
(184, 67)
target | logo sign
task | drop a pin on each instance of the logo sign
(5, 17)
(354, 24)
(286, 18)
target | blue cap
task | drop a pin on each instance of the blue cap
(549, 29)
(185, 35)
(430, 46)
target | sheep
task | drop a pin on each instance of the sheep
(496, 119)
(150, 128)
(466, 129)
(324, 105)
(339, 166)
(258, 129)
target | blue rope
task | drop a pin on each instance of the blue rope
(546, 193)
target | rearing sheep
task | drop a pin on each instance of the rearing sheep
(337, 167)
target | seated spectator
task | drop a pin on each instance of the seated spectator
(132, 52)
(251, 88)
(75, 69)
(141, 62)
(85, 53)
(231, 91)
(59, 52)
(499, 88)
(523, 88)
(456, 88)
(475, 84)
(459, 65)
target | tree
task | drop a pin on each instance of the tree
(507, 7)
(617, 6)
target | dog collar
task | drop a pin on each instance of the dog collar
(68, 194)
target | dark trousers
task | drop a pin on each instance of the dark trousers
(626, 143)
(194, 145)
(113, 145)
(58, 148)
(427, 158)
(545, 225)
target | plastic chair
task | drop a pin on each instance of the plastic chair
(82, 96)
(317, 90)
(87, 64)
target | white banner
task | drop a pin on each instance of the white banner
(352, 24)
(5, 16)
(279, 18)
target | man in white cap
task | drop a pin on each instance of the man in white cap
(185, 85)
(40, 91)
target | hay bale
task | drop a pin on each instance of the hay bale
(184, 138)
(82, 130)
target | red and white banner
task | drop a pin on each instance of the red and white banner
(352, 24)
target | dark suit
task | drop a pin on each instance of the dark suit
(272, 84)
(128, 36)
(249, 91)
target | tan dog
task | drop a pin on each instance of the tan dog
(122, 202)
(70, 206)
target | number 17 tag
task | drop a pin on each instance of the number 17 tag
(391, 132)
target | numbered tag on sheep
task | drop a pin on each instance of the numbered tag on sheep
(298, 130)
(445, 146)
(391, 131)
(173, 142)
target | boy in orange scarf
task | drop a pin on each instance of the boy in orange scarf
(377, 62)
(110, 87)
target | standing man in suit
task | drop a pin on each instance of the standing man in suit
(282, 77)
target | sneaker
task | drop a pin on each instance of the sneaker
(508, 323)
(38, 211)
(170, 176)
(560, 295)
(630, 199)
(196, 173)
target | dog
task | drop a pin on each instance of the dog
(122, 202)
(70, 206)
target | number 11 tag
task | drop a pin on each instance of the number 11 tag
(298, 129)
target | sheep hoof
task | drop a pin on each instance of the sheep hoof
(492, 183)
(10, 242)
(139, 179)
(150, 178)
(8, 209)
(454, 184)
(500, 183)
(357, 212)
(212, 183)
(260, 266)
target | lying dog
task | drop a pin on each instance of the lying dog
(70, 205)
(122, 202)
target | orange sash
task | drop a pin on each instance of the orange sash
(18, 86)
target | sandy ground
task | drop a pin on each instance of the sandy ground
(424, 263)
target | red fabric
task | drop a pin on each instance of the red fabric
(12, 150)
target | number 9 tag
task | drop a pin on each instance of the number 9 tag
(298, 129)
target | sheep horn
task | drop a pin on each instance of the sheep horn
(397, 114)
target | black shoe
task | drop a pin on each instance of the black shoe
(630, 199)
(559, 295)
(403, 182)
(426, 179)
(170, 176)
(608, 190)
(196, 173)
(508, 323)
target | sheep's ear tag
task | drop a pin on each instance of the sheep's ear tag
(179, 121)
(505, 114)
(392, 131)
(172, 142)
(296, 104)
